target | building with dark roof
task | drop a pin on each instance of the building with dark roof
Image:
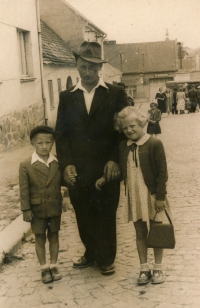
(59, 69)
(64, 28)
(145, 66)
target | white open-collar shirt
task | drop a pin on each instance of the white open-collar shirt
(88, 96)
(35, 157)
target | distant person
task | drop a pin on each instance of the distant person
(168, 101)
(180, 98)
(192, 94)
(41, 200)
(144, 171)
(174, 102)
(153, 127)
(130, 101)
(198, 96)
(161, 97)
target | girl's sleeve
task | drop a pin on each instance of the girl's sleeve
(158, 118)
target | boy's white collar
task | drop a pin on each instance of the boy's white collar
(35, 157)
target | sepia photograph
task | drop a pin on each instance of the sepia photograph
(99, 161)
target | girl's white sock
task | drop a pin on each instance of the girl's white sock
(157, 266)
(144, 267)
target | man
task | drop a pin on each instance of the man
(174, 104)
(192, 94)
(87, 147)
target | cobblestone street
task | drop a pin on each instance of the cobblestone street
(20, 283)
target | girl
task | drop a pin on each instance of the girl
(153, 127)
(144, 171)
(181, 98)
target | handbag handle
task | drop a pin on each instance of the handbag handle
(166, 215)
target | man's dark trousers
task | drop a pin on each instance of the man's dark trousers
(96, 219)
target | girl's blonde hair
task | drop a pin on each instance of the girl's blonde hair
(141, 117)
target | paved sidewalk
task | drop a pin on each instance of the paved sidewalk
(20, 284)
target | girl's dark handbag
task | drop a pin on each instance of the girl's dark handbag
(161, 235)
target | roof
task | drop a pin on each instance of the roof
(54, 49)
(194, 53)
(70, 25)
(83, 17)
(142, 57)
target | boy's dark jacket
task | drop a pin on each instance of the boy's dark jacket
(40, 188)
(153, 165)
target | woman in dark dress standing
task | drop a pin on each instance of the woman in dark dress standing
(161, 97)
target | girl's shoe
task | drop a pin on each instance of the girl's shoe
(144, 277)
(158, 276)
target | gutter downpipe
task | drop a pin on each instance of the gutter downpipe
(41, 62)
(102, 46)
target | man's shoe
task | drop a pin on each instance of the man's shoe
(158, 276)
(144, 277)
(106, 270)
(81, 263)
(55, 273)
(46, 275)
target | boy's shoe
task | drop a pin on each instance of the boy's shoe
(46, 275)
(144, 277)
(81, 263)
(55, 273)
(158, 276)
(106, 270)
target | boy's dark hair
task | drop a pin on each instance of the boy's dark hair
(41, 129)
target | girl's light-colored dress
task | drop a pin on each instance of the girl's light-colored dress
(140, 203)
(181, 98)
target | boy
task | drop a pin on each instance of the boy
(41, 201)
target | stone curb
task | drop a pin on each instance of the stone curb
(11, 237)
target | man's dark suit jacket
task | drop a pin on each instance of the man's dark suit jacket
(85, 140)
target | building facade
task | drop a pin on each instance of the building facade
(145, 66)
(21, 101)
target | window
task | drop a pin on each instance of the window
(59, 85)
(132, 91)
(51, 96)
(25, 54)
(69, 83)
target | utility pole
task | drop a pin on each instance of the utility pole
(180, 54)
(121, 59)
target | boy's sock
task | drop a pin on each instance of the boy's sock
(51, 265)
(157, 266)
(43, 267)
(144, 267)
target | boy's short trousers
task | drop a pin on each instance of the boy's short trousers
(141, 228)
(40, 225)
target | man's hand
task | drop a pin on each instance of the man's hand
(27, 215)
(99, 183)
(70, 175)
(111, 171)
(160, 206)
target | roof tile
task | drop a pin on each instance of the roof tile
(54, 49)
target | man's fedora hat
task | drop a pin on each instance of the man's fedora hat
(89, 51)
